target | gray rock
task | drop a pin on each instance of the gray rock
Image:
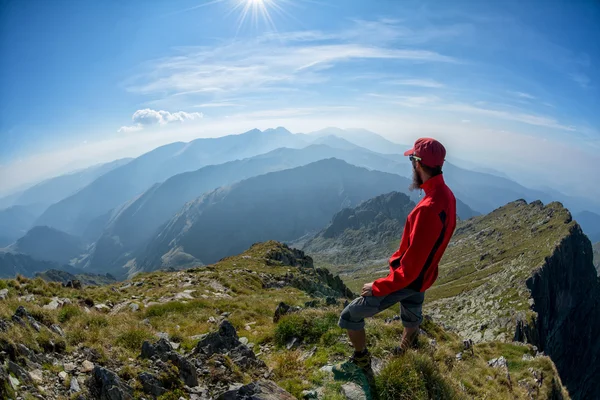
(353, 392)
(106, 385)
(53, 305)
(244, 340)
(283, 309)
(3, 294)
(14, 382)
(4, 325)
(19, 372)
(74, 387)
(292, 343)
(219, 342)
(69, 367)
(164, 351)
(259, 390)
(57, 329)
(36, 376)
(151, 385)
(331, 301)
(187, 371)
(156, 350)
(62, 375)
(134, 307)
(498, 362)
(87, 366)
(310, 394)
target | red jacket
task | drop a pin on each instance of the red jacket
(427, 232)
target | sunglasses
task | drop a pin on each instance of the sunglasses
(414, 158)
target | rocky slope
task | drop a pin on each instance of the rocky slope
(55, 275)
(596, 249)
(363, 235)
(261, 325)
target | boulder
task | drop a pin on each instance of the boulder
(74, 386)
(3, 294)
(222, 341)
(151, 385)
(352, 391)
(259, 390)
(283, 309)
(87, 366)
(106, 385)
(164, 351)
(19, 372)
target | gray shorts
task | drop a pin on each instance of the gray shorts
(411, 309)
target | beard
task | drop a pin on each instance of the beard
(416, 181)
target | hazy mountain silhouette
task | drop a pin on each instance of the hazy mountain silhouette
(15, 221)
(74, 213)
(45, 243)
(282, 205)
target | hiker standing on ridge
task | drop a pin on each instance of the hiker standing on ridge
(414, 267)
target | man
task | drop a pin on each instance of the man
(414, 267)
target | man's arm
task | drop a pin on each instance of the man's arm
(426, 229)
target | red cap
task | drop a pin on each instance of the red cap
(430, 151)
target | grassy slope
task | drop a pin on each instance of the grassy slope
(234, 285)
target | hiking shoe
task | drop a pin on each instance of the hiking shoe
(407, 342)
(357, 364)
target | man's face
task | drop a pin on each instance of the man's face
(417, 181)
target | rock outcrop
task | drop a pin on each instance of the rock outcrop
(524, 272)
(566, 298)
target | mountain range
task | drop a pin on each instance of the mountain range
(282, 205)
(128, 202)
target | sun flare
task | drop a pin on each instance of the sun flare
(257, 12)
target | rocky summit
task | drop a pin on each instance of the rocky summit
(261, 325)
(521, 273)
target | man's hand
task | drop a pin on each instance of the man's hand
(367, 289)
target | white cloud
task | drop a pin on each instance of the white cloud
(523, 95)
(131, 128)
(426, 83)
(147, 116)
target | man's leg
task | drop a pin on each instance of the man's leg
(358, 339)
(411, 312)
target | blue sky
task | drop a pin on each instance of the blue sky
(513, 85)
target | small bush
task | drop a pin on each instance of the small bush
(67, 312)
(132, 339)
(413, 377)
(97, 321)
(309, 327)
(76, 336)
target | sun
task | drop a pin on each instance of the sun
(257, 11)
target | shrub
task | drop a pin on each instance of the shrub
(413, 376)
(67, 312)
(309, 327)
(133, 338)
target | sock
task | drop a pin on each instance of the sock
(361, 353)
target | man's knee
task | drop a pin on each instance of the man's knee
(352, 317)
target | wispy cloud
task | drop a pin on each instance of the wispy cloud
(517, 116)
(147, 116)
(426, 83)
(288, 60)
(523, 95)
(581, 79)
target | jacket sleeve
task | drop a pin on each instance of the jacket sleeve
(426, 229)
